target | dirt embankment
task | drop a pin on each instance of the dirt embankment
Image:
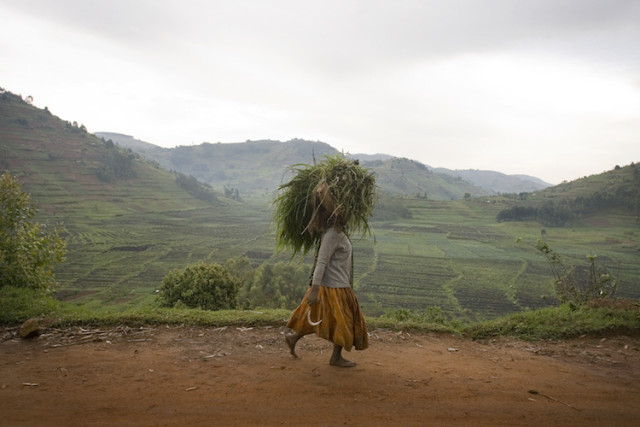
(245, 376)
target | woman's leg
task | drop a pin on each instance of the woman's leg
(292, 340)
(338, 360)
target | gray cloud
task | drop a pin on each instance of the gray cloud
(432, 80)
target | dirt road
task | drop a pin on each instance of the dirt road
(166, 376)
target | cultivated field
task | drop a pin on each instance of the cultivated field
(452, 255)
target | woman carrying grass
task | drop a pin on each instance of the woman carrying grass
(322, 202)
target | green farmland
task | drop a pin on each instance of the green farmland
(452, 255)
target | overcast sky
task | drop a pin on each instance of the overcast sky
(549, 88)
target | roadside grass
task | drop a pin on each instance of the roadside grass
(558, 323)
(19, 304)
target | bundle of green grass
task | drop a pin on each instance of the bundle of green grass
(341, 186)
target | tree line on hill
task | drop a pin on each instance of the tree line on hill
(116, 163)
(119, 163)
(196, 188)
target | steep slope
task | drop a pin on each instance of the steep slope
(128, 222)
(621, 185)
(70, 171)
(564, 204)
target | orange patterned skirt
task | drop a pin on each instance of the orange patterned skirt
(342, 321)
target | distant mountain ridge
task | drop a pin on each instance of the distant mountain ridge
(498, 182)
(260, 167)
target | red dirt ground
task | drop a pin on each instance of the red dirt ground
(244, 376)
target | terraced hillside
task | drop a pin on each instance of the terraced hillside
(456, 256)
(125, 234)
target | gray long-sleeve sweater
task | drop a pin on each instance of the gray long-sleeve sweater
(333, 267)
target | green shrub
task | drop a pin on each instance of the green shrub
(578, 285)
(279, 285)
(202, 285)
(28, 250)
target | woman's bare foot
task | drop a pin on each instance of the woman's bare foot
(291, 342)
(338, 360)
(342, 362)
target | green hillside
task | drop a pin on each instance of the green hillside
(455, 255)
(404, 176)
(131, 221)
(621, 185)
(68, 170)
(124, 233)
(574, 202)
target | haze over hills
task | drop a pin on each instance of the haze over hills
(259, 167)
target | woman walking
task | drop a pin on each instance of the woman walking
(343, 197)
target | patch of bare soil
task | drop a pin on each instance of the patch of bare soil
(245, 376)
